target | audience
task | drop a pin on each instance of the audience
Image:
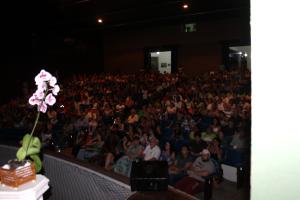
(150, 116)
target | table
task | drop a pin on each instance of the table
(32, 190)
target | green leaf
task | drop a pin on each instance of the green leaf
(21, 154)
(37, 162)
(32, 150)
(36, 142)
(34, 147)
(25, 141)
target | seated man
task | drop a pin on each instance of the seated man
(152, 151)
(194, 182)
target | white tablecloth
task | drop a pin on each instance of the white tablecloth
(32, 190)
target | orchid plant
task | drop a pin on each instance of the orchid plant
(43, 97)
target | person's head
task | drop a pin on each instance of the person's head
(197, 137)
(117, 120)
(205, 155)
(132, 111)
(136, 140)
(167, 146)
(99, 135)
(215, 121)
(126, 138)
(216, 142)
(153, 142)
(185, 150)
(208, 130)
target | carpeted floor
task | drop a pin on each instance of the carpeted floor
(228, 191)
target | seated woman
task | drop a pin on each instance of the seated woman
(215, 150)
(167, 154)
(92, 148)
(133, 118)
(182, 163)
(123, 165)
(118, 152)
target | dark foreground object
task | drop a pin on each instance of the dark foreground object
(149, 176)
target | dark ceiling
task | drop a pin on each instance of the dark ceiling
(66, 15)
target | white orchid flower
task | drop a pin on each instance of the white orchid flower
(55, 89)
(50, 99)
(42, 86)
(42, 96)
(42, 77)
(39, 94)
(43, 107)
(33, 100)
(52, 81)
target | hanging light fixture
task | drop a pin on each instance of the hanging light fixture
(185, 6)
(100, 21)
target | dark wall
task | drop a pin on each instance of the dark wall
(69, 53)
(59, 52)
(197, 52)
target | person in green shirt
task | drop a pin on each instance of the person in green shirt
(208, 135)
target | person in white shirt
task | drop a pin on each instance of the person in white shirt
(152, 151)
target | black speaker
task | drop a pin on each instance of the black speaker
(149, 176)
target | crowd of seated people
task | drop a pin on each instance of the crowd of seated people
(115, 119)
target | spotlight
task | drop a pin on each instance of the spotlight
(157, 53)
(245, 54)
(240, 53)
(100, 21)
(185, 6)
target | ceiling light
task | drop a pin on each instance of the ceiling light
(245, 54)
(100, 21)
(185, 6)
(157, 52)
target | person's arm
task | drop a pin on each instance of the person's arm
(151, 159)
(202, 173)
(187, 166)
(157, 154)
(125, 146)
(145, 151)
(173, 169)
(173, 156)
(219, 153)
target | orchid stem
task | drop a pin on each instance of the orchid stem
(32, 131)
(36, 122)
